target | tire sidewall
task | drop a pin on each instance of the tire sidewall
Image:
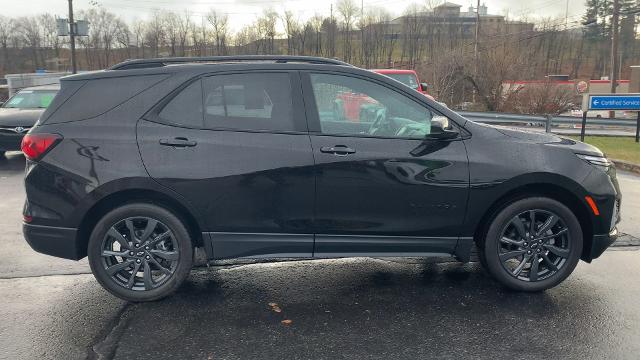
(159, 213)
(494, 233)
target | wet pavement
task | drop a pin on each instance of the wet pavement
(360, 308)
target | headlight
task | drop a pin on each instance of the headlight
(597, 161)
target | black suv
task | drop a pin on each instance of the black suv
(143, 165)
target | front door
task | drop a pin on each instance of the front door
(235, 146)
(383, 187)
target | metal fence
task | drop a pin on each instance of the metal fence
(549, 121)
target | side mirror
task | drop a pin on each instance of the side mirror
(424, 87)
(441, 129)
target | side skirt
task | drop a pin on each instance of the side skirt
(225, 245)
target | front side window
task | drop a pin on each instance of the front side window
(252, 101)
(31, 99)
(353, 106)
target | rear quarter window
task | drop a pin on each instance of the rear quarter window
(97, 96)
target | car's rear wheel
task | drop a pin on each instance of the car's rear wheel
(533, 244)
(140, 252)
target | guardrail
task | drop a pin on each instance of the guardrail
(505, 118)
(549, 121)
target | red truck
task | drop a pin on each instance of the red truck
(351, 106)
(407, 77)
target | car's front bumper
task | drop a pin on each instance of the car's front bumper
(602, 242)
(54, 241)
(10, 141)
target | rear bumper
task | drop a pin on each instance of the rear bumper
(602, 242)
(54, 241)
(10, 142)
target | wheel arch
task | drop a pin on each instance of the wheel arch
(544, 189)
(120, 197)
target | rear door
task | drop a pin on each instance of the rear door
(383, 186)
(236, 146)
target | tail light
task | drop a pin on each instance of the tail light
(34, 146)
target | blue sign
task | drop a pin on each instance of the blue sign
(614, 102)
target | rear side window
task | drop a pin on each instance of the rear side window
(97, 96)
(252, 101)
(186, 108)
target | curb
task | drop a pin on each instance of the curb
(627, 166)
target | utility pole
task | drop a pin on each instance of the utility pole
(614, 49)
(475, 50)
(72, 38)
(566, 16)
(362, 32)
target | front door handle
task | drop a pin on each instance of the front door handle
(341, 150)
(178, 142)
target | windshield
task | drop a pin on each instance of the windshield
(31, 99)
(408, 79)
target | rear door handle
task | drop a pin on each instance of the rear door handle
(337, 150)
(178, 142)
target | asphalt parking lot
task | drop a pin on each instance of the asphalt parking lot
(359, 308)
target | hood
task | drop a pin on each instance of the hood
(19, 117)
(549, 139)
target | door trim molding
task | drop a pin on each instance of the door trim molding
(225, 245)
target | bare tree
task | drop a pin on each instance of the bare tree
(348, 10)
(154, 33)
(267, 30)
(292, 29)
(220, 24)
(29, 28)
(7, 27)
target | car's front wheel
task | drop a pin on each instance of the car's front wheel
(140, 252)
(533, 244)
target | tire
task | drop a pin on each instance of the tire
(161, 266)
(556, 248)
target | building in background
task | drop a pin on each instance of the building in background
(449, 17)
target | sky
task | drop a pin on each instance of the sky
(242, 12)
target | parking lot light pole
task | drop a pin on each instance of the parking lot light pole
(72, 38)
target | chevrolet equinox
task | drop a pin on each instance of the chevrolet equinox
(140, 165)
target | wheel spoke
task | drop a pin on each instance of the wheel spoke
(549, 264)
(132, 232)
(151, 225)
(519, 225)
(510, 255)
(132, 279)
(563, 253)
(533, 271)
(506, 240)
(520, 266)
(119, 238)
(532, 225)
(167, 255)
(109, 253)
(112, 270)
(159, 238)
(148, 281)
(551, 222)
(547, 237)
(160, 267)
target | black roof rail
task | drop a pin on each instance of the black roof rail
(159, 62)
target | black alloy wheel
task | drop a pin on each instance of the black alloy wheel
(532, 244)
(140, 252)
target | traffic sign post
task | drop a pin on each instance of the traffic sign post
(612, 102)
